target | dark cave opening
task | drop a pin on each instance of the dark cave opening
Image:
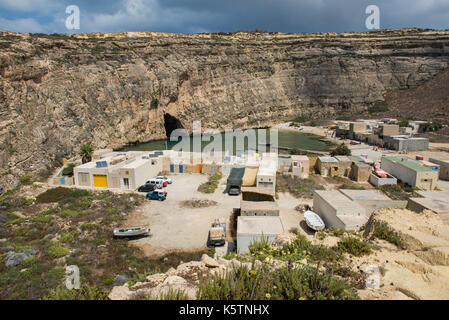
(171, 123)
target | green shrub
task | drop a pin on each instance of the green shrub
(44, 216)
(22, 231)
(354, 246)
(69, 213)
(83, 293)
(378, 107)
(57, 252)
(53, 195)
(174, 295)
(341, 150)
(385, 232)
(68, 170)
(297, 250)
(112, 211)
(300, 119)
(211, 185)
(26, 180)
(306, 283)
(66, 236)
(89, 226)
(79, 193)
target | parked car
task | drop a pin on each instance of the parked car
(164, 178)
(217, 234)
(157, 183)
(147, 187)
(157, 195)
(162, 182)
(234, 191)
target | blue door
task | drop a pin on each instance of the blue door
(213, 170)
(181, 169)
(172, 168)
(62, 181)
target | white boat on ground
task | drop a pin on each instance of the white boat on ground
(314, 221)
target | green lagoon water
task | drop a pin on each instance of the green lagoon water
(287, 138)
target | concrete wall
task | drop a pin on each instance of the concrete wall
(377, 181)
(244, 240)
(444, 168)
(401, 172)
(301, 169)
(360, 173)
(389, 130)
(373, 205)
(144, 172)
(266, 181)
(326, 212)
(427, 180)
(333, 168)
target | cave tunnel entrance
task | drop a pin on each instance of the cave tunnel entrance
(171, 123)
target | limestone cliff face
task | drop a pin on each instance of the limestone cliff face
(112, 89)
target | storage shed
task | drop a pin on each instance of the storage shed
(338, 211)
(328, 166)
(252, 228)
(300, 166)
(410, 171)
(444, 167)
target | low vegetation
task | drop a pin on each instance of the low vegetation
(399, 191)
(341, 150)
(378, 107)
(300, 188)
(73, 227)
(385, 232)
(354, 246)
(306, 283)
(68, 169)
(299, 120)
(211, 185)
(198, 203)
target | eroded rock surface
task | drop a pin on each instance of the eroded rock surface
(58, 91)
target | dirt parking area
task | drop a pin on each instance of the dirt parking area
(290, 217)
(178, 228)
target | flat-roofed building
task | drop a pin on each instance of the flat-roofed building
(406, 143)
(125, 171)
(338, 211)
(266, 176)
(410, 171)
(300, 166)
(436, 201)
(444, 167)
(328, 166)
(253, 228)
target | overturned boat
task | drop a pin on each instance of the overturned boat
(314, 221)
(132, 231)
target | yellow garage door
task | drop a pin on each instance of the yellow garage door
(100, 181)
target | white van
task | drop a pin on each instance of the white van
(156, 182)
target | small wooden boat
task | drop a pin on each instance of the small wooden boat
(132, 231)
(314, 221)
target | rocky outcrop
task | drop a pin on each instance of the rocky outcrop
(58, 91)
(421, 271)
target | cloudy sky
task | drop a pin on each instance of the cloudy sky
(193, 16)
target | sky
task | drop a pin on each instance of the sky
(196, 16)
